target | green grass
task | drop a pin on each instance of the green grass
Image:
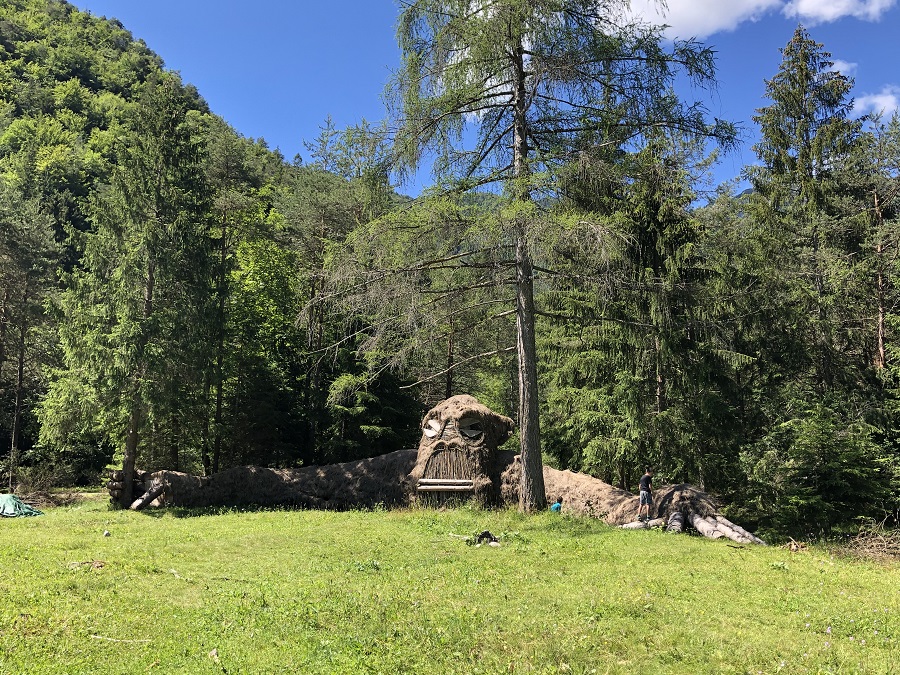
(395, 592)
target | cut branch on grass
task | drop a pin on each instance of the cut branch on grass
(876, 542)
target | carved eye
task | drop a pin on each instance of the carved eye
(470, 427)
(433, 428)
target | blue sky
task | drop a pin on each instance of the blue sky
(277, 68)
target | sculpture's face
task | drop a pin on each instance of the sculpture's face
(463, 422)
(460, 437)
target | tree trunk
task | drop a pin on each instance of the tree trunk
(4, 323)
(705, 527)
(532, 495)
(880, 331)
(217, 419)
(20, 388)
(448, 388)
(660, 378)
(131, 444)
(675, 522)
(531, 492)
(220, 346)
(136, 415)
(174, 438)
(155, 490)
(204, 441)
(314, 343)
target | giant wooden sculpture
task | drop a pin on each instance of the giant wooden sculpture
(458, 458)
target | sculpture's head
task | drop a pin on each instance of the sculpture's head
(464, 421)
(457, 453)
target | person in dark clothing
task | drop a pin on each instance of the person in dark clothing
(646, 488)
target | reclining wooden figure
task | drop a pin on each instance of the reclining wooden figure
(459, 456)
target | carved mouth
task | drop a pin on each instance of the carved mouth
(449, 460)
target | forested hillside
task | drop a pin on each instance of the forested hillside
(154, 268)
(177, 296)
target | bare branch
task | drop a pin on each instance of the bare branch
(456, 365)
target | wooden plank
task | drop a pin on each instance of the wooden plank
(446, 488)
(445, 481)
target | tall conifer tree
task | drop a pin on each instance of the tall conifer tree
(539, 83)
(132, 309)
(820, 446)
(806, 140)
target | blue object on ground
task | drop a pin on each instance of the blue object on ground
(13, 507)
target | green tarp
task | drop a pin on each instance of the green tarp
(13, 507)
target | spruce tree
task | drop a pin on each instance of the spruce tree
(133, 307)
(807, 138)
(804, 199)
(28, 256)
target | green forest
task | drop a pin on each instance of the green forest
(174, 295)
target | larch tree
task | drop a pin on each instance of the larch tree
(507, 92)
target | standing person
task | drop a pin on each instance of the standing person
(646, 488)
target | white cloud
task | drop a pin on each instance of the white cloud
(844, 67)
(818, 11)
(887, 101)
(702, 18)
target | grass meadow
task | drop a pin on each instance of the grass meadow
(402, 592)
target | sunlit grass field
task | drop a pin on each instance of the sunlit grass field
(403, 592)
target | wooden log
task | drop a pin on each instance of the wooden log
(705, 527)
(740, 530)
(656, 522)
(115, 485)
(676, 522)
(636, 525)
(730, 533)
(156, 489)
